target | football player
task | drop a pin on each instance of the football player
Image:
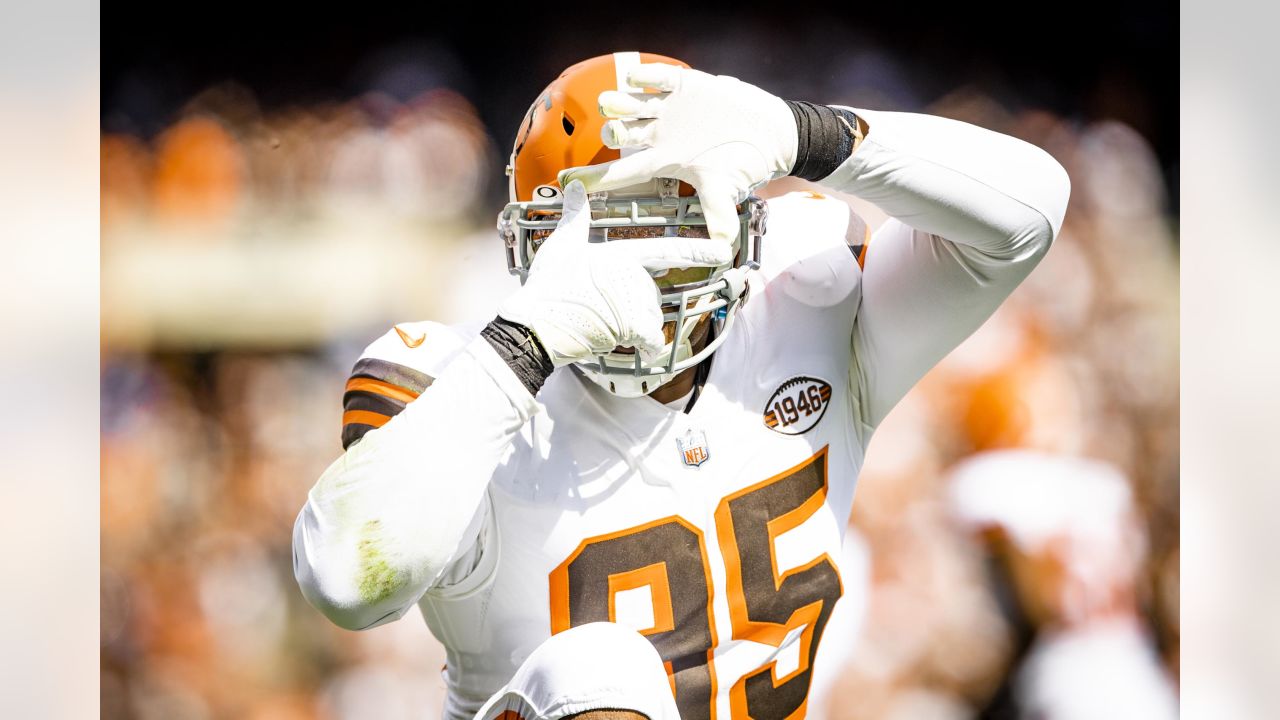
(623, 495)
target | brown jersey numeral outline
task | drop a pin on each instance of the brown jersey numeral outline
(671, 557)
(765, 606)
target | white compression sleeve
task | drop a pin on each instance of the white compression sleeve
(384, 521)
(973, 211)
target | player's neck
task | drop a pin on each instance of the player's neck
(677, 388)
(684, 382)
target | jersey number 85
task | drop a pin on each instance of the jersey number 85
(669, 555)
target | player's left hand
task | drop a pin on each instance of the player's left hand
(719, 134)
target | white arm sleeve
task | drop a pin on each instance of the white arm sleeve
(972, 212)
(385, 520)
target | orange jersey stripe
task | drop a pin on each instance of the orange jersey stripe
(395, 392)
(364, 417)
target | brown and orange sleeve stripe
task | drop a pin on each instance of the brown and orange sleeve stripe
(377, 391)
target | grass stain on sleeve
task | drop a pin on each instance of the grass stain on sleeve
(378, 579)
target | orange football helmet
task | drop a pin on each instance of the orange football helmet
(562, 129)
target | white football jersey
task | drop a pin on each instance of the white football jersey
(510, 518)
(715, 533)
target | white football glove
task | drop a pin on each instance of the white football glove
(583, 299)
(719, 134)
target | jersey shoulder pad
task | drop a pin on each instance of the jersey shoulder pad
(393, 371)
(804, 224)
(813, 247)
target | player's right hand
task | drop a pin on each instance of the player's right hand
(583, 299)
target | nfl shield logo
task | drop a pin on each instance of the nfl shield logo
(693, 447)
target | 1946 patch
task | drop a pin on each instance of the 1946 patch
(797, 405)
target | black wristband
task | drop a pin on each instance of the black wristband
(521, 351)
(824, 138)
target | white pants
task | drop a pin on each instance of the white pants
(597, 666)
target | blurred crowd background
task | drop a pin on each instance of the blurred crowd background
(272, 200)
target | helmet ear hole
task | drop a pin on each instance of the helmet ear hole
(567, 122)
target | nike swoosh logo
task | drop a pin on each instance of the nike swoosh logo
(411, 342)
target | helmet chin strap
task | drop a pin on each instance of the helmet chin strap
(701, 373)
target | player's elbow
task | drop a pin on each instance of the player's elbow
(1053, 190)
(369, 541)
(1023, 222)
(336, 605)
(353, 616)
(344, 603)
(1044, 210)
(351, 586)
